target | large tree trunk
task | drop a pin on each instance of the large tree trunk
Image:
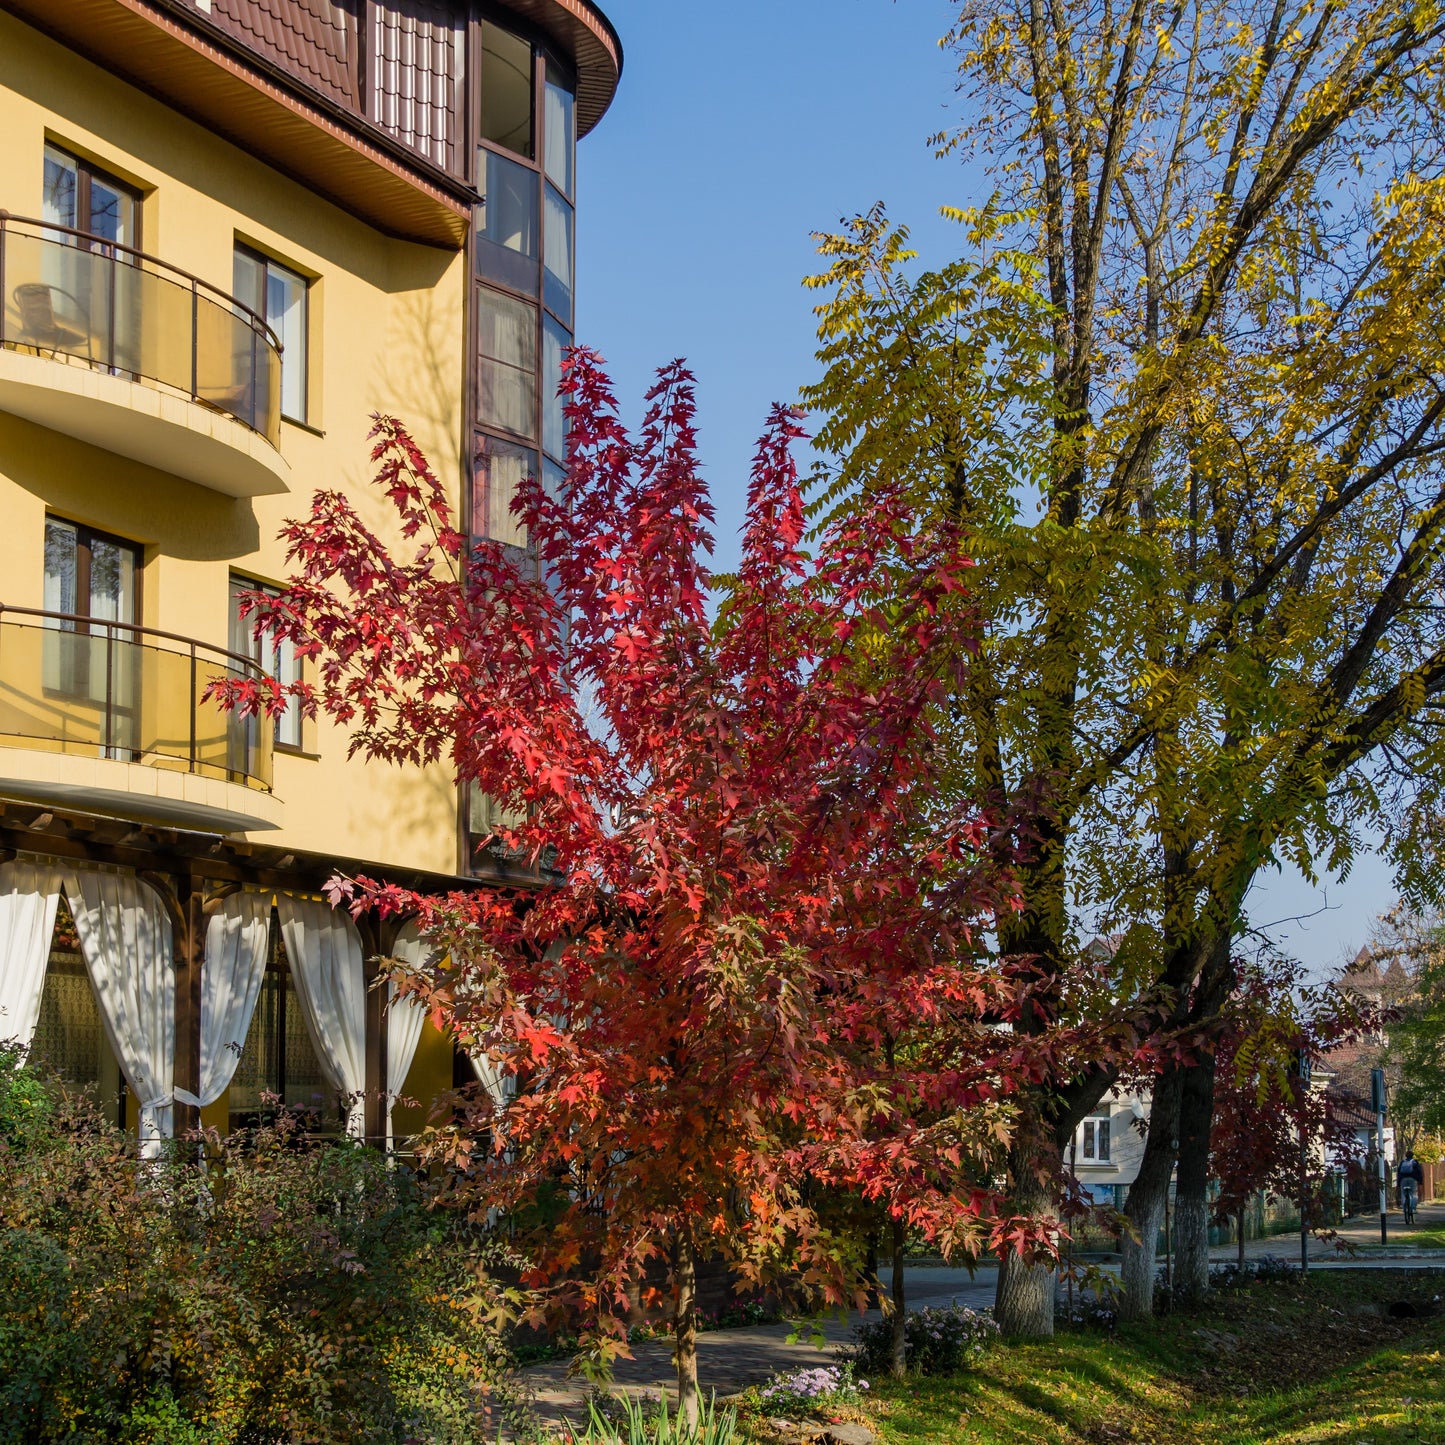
(684, 1324)
(1191, 1201)
(898, 1346)
(1148, 1194)
(1024, 1299)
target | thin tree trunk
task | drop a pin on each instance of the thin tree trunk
(1144, 1208)
(1191, 1201)
(684, 1323)
(1241, 1239)
(1024, 1299)
(898, 1347)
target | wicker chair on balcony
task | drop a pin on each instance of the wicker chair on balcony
(48, 328)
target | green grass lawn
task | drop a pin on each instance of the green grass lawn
(1314, 1363)
(1428, 1238)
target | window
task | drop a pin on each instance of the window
(1096, 1140)
(276, 656)
(85, 199)
(557, 252)
(560, 132)
(500, 469)
(555, 342)
(506, 83)
(278, 296)
(507, 224)
(507, 363)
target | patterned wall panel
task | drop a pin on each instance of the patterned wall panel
(415, 66)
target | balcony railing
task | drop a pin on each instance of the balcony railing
(92, 688)
(76, 297)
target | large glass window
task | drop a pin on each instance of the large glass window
(92, 577)
(506, 83)
(85, 199)
(557, 285)
(1096, 1140)
(507, 363)
(560, 132)
(278, 295)
(275, 655)
(507, 226)
(555, 341)
(500, 470)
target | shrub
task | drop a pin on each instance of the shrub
(803, 1391)
(277, 1293)
(939, 1341)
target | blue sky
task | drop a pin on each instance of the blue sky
(740, 128)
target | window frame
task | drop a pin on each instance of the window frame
(269, 589)
(86, 173)
(1094, 1131)
(85, 537)
(257, 305)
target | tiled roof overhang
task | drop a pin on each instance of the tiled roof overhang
(323, 147)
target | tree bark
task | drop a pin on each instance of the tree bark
(1191, 1201)
(1024, 1298)
(1241, 1239)
(684, 1322)
(1144, 1208)
(898, 1346)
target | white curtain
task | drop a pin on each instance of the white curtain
(324, 950)
(237, 936)
(29, 896)
(502, 1087)
(125, 936)
(404, 1019)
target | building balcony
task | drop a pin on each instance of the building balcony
(121, 350)
(112, 718)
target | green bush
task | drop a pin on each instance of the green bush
(275, 1293)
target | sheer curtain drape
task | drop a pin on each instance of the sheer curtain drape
(237, 939)
(125, 937)
(404, 1018)
(328, 970)
(29, 897)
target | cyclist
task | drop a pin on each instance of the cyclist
(1411, 1175)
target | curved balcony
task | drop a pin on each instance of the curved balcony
(112, 717)
(121, 350)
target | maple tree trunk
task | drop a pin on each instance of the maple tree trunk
(898, 1345)
(1191, 1206)
(1148, 1194)
(685, 1329)
(1241, 1239)
(1024, 1299)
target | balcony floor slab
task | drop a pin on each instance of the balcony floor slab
(135, 420)
(137, 791)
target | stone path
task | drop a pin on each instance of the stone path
(731, 1360)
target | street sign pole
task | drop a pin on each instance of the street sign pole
(1377, 1098)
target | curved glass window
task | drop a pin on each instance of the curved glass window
(507, 363)
(557, 254)
(559, 132)
(506, 82)
(499, 471)
(507, 223)
(555, 340)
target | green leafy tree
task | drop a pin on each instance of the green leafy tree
(1183, 390)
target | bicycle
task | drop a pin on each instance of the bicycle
(1407, 1200)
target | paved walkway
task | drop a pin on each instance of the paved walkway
(1362, 1232)
(731, 1360)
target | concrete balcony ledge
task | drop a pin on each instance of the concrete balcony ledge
(136, 420)
(141, 791)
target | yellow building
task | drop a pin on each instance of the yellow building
(230, 231)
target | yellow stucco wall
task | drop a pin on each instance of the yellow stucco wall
(430, 1076)
(386, 334)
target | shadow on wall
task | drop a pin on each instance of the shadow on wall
(101, 489)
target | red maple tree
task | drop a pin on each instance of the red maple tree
(753, 889)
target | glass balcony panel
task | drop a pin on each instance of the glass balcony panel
(77, 299)
(126, 694)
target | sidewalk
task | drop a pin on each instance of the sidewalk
(1361, 1232)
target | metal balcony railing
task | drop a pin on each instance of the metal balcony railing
(92, 688)
(73, 296)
